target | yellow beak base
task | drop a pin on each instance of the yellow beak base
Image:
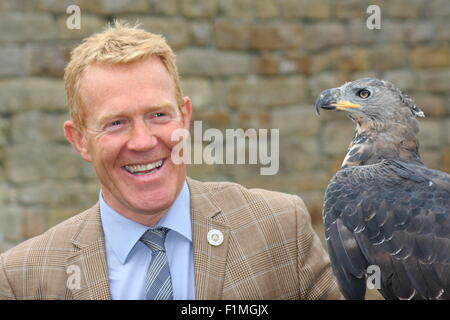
(344, 105)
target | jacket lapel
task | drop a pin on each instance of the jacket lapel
(88, 272)
(86, 267)
(209, 260)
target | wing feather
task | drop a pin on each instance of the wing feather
(395, 215)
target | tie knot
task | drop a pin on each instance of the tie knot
(154, 239)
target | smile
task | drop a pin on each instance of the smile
(141, 169)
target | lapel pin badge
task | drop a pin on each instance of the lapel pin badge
(215, 237)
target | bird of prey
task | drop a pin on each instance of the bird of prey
(385, 208)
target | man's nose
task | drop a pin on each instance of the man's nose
(142, 137)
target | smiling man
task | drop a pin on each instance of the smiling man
(155, 233)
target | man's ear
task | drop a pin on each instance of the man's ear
(186, 112)
(77, 140)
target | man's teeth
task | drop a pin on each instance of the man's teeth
(144, 167)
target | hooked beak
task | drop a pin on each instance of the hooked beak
(330, 100)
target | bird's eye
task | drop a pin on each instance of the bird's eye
(363, 93)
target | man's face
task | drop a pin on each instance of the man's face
(132, 112)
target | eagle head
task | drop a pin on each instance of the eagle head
(369, 101)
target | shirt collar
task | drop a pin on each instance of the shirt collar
(122, 234)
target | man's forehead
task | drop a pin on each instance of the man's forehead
(102, 80)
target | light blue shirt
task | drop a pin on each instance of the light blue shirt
(128, 258)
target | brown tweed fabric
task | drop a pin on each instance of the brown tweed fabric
(269, 251)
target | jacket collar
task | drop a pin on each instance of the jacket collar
(209, 261)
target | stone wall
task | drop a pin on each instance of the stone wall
(245, 64)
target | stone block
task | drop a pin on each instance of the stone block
(432, 159)
(175, 30)
(447, 130)
(249, 8)
(269, 64)
(434, 80)
(310, 9)
(351, 59)
(292, 35)
(431, 134)
(421, 31)
(4, 129)
(256, 120)
(404, 8)
(265, 37)
(219, 92)
(212, 118)
(442, 27)
(202, 33)
(37, 127)
(21, 5)
(54, 194)
(199, 9)
(394, 31)
(446, 160)
(120, 6)
(45, 94)
(49, 59)
(296, 120)
(92, 189)
(12, 60)
(295, 158)
(26, 26)
(13, 95)
(58, 6)
(11, 219)
(437, 8)
(231, 35)
(58, 215)
(390, 56)
(430, 57)
(210, 62)
(199, 90)
(166, 7)
(322, 81)
(255, 93)
(431, 105)
(32, 94)
(111, 7)
(347, 9)
(34, 222)
(359, 34)
(405, 79)
(27, 163)
(335, 138)
(331, 34)
(88, 170)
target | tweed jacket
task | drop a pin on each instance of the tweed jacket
(269, 251)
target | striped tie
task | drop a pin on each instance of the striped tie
(158, 283)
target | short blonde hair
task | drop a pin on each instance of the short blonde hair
(118, 44)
